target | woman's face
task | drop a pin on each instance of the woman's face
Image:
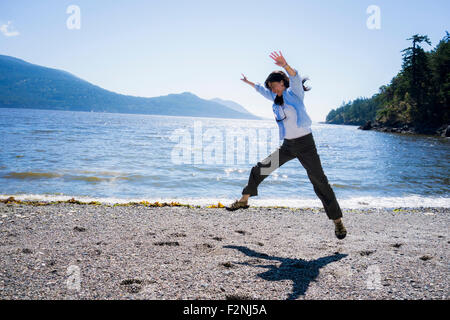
(277, 87)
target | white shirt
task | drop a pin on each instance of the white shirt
(290, 124)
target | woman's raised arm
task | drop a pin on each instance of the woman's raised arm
(295, 82)
(281, 61)
(244, 78)
(261, 89)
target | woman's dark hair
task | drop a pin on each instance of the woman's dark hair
(277, 76)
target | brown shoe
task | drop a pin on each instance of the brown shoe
(340, 230)
(237, 205)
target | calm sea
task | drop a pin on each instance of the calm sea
(56, 155)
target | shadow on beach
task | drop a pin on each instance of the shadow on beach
(300, 271)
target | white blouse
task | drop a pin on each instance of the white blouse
(290, 124)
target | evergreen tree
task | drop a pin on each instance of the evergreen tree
(417, 76)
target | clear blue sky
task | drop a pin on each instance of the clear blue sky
(152, 48)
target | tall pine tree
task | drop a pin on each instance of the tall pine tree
(417, 77)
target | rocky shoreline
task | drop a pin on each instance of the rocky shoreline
(443, 131)
(69, 250)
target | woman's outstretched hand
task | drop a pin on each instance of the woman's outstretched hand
(244, 78)
(278, 58)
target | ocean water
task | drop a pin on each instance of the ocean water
(114, 158)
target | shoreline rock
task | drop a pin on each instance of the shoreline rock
(442, 131)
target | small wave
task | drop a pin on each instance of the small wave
(344, 186)
(85, 178)
(44, 131)
(112, 173)
(230, 170)
(31, 175)
(89, 178)
(103, 179)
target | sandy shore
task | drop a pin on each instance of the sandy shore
(73, 251)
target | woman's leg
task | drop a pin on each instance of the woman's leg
(263, 169)
(311, 162)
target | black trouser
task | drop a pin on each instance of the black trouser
(304, 149)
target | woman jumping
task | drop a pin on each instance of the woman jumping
(294, 126)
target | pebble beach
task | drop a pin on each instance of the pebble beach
(68, 250)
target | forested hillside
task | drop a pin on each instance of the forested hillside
(416, 99)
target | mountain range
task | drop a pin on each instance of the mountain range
(26, 85)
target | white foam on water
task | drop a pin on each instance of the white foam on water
(411, 201)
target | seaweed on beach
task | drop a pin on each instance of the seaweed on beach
(153, 204)
(218, 205)
(12, 200)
